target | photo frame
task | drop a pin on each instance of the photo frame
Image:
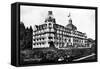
(44, 34)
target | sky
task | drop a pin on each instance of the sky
(83, 19)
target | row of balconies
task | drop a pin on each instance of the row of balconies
(59, 32)
(43, 36)
(40, 36)
(70, 34)
(63, 33)
(70, 40)
(39, 39)
(43, 31)
(50, 38)
(72, 45)
(82, 46)
(79, 40)
(64, 39)
(40, 46)
(39, 43)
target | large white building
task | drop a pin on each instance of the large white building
(63, 37)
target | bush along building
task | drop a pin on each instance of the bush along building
(61, 37)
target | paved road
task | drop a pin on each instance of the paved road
(84, 57)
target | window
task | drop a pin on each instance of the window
(65, 39)
(45, 26)
(69, 40)
(42, 42)
(49, 24)
(43, 38)
(50, 37)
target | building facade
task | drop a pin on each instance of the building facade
(62, 37)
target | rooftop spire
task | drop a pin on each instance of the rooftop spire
(49, 12)
(69, 15)
(70, 20)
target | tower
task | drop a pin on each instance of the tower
(50, 21)
(50, 18)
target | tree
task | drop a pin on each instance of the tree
(26, 35)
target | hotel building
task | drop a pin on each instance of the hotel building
(63, 37)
